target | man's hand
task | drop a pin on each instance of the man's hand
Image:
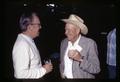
(48, 67)
(75, 55)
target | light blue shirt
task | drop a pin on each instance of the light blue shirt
(111, 48)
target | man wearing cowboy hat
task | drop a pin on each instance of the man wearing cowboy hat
(78, 54)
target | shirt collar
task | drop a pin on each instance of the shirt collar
(26, 37)
(76, 42)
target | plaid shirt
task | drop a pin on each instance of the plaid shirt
(111, 48)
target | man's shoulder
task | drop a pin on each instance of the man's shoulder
(64, 41)
(87, 39)
(21, 41)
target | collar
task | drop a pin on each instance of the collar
(26, 37)
(76, 42)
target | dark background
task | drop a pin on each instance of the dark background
(100, 16)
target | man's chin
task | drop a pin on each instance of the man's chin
(38, 34)
(69, 39)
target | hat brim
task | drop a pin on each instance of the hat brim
(83, 27)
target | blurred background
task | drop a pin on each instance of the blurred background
(100, 16)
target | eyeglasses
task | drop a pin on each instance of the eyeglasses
(36, 24)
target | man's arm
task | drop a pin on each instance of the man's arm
(90, 62)
(21, 60)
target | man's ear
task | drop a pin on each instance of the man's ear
(29, 27)
(78, 30)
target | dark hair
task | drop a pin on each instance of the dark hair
(26, 19)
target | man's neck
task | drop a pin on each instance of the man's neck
(75, 40)
(27, 34)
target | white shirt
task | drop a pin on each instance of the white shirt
(26, 59)
(67, 61)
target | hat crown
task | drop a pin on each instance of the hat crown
(75, 18)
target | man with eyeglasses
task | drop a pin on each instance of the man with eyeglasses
(26, 58)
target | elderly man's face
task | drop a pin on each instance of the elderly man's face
(72, 32)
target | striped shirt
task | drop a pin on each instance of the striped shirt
(111, 48)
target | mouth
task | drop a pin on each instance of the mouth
(69, 35)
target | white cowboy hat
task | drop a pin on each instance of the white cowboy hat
(76, 20)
